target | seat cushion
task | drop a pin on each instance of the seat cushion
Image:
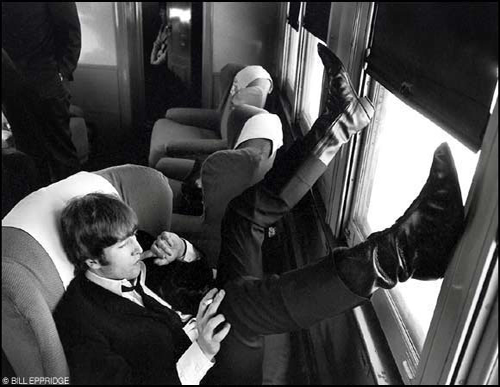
(165, 131)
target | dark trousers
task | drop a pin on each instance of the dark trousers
(62, 157)
(279, 304)
(40, 125)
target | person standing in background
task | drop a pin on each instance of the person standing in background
(161, 43)
(43, 41)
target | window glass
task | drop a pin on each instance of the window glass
(313, 81)
(98, 33)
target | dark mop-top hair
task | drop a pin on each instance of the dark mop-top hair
(93, 222)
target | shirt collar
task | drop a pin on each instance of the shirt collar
(113, 285)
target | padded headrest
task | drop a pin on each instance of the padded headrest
(247, 75)
(38, 215)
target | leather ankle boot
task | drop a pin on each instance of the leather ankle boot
(296, 170)
(340, 91)
(419, 245)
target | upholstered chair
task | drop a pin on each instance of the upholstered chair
(190, 133)
(36, 271)
(254, 136)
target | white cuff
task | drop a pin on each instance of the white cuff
(191, 253)
(193, 365)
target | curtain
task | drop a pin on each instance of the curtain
(317, 18)
(441, 59)
(293, 14)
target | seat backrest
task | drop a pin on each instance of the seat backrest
(35, 273)
(227, 74)
(249, 85)
(227, 173)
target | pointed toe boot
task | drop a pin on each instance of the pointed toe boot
(419, 245)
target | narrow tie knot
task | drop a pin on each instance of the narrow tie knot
(137, 287)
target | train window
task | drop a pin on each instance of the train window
(395, 166)
(368, 193)
(302, 73)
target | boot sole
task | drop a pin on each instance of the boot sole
(367, 107)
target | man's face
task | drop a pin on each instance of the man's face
(122, 260)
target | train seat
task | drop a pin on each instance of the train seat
(19, 177)
(36, 271)
(227, 173)
(204, 131)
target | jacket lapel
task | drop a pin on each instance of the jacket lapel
(110, 301)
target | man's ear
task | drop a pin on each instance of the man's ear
(93, 263)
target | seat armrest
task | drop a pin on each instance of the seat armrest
(194, 149)
(201, 118)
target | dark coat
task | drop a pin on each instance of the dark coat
(43, 39)
(111, 340)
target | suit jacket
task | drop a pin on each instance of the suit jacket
(111, 340)
(43, 39)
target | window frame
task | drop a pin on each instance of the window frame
(448, 345)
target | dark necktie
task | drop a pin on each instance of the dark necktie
(153, 305)
(181, 340)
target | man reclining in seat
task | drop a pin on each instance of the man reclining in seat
(116, 330)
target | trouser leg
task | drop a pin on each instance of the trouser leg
(63, 156)
(257, 307)
(297, 299)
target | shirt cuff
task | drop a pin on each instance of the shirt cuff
(193, 365)
(191, 253)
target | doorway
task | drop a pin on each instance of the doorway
(176, 81)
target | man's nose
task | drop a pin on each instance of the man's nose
(137, 247)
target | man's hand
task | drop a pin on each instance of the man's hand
(168, 247)
(159, 57)
(160, 46)
(207, 323)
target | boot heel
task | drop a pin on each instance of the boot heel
(367, 107)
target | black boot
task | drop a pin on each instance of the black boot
(419, 245)
(296, 170)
